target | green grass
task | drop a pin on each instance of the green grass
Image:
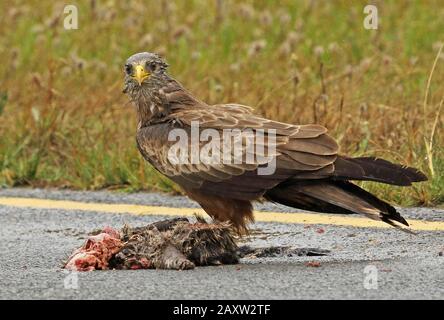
(64, 121)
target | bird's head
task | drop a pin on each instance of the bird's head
(151, 90)
(142, 70)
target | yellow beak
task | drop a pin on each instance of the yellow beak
(140, 74)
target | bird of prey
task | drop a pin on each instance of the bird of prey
(309, 172)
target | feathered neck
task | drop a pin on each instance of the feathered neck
(156, 101)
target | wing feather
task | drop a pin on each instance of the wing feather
(298, 149)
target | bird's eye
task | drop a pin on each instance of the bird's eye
(152, 66)
(128, 69)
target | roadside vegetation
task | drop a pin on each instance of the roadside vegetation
(64, 121)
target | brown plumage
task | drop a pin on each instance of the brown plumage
(310, 174)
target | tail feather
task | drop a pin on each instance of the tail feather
(335, 197)
(375, 169)
(397, 225)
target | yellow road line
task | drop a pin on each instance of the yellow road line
(262, 216)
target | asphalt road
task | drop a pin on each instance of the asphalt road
(367, 263)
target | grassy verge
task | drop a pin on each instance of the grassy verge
(65, 123)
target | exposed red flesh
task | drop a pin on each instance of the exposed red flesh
(96, 252)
